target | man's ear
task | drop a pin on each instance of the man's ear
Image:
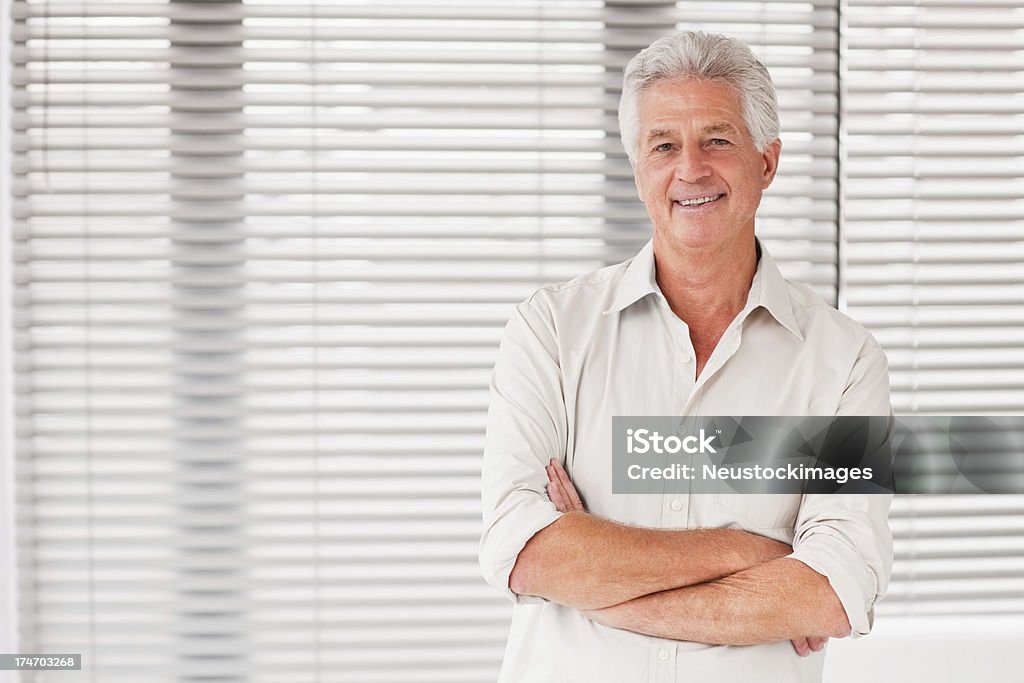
(770, 155)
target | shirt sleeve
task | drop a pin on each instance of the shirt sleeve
(847, 538)
(526, 428)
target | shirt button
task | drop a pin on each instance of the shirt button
(676, 506)
(663, 655)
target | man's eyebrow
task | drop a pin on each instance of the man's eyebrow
(718, 128)
(656, 133)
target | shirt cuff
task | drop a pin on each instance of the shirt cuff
(852, 581)
(506, 537)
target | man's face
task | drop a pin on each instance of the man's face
(697, 169)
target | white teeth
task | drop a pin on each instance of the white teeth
(698, 200)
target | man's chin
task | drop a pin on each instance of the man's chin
(692, 236)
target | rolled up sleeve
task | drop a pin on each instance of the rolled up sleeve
(847, 538)
(526, 427)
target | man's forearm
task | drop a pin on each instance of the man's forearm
(587, 562)
(779, 600)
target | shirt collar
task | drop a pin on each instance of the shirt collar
(768, 289)
(773, 293)
(638, 281)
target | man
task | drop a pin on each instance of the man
(671, 587)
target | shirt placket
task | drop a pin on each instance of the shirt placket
(663, 661)
(675, 507)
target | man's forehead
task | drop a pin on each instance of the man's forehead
(711, 106)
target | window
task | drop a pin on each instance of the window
(933, 245)
(263, 253)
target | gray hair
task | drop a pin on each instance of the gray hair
(701, 56)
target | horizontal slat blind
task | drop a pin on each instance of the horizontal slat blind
(264, 252)
(934, 248)
(263, 256)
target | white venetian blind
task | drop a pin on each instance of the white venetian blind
(264, 255)
(264, 252)
(934, 262)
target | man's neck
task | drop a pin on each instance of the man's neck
(705, 288)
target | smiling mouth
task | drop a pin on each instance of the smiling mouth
(698, 201)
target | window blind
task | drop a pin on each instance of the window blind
(933, 246)
(263, 256)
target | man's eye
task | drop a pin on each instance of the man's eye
(719, 142)
(663, 147)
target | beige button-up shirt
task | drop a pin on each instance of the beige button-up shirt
(576, 354)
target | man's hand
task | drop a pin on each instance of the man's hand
(565, 498)
(804, 646)
(561, 492)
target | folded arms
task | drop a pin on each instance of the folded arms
(734, 588)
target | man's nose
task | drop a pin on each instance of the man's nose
(692, 164)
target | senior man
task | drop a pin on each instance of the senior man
(672, 587)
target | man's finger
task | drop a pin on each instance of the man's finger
(817, 643)
(801, 646)
(555, 490)
(567, 486)
(555, 493)
(552, 487)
